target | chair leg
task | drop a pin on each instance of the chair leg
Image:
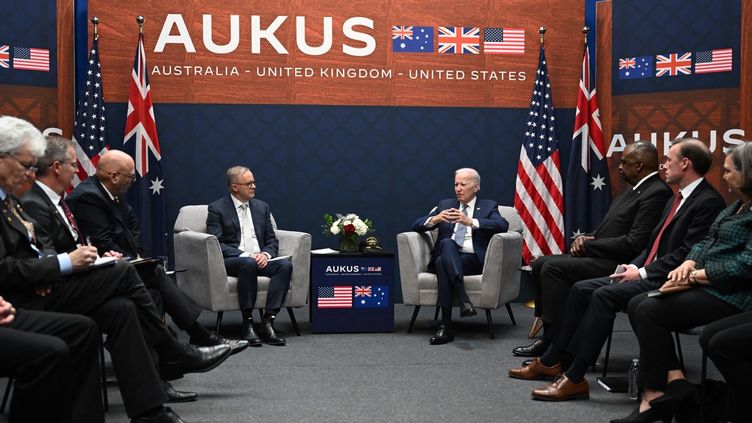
(703, 376)
(219, 320)
(261, 314)
(679, 350)
(294, 322)
(8, 387)
(412, 320)
(511, 314)
(105, 402)
(608, 352)
(490, 325)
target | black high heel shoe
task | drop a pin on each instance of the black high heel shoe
(649, 415)
(677, 392)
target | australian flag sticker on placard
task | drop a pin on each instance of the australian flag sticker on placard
(371, 296)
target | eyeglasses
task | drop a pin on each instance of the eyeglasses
(27, 168)
(247, 185)
(74, 163)
(131, 177)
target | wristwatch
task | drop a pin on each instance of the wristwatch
(693, 277)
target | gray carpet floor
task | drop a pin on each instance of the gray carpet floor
(393, 377)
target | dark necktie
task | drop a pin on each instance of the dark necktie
(671, 213)
(72, 221)
(459, 236)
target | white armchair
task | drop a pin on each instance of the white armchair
(201, 271)
(497, 285)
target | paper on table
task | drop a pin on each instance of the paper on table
(324, 251)
(279, 258)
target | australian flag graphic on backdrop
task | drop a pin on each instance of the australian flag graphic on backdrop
(24, 25)
(371, 296)
(643, 30)
(412, 39)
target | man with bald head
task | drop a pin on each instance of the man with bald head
(592, 304)
(621, 235)
(103, 215)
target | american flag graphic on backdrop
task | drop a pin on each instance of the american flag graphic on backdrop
(34, 59)
(335, 297)
(504, 41)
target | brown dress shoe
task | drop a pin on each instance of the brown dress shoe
(562, 389)
(536, 371)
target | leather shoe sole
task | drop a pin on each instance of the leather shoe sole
(535, 371)
(213, 357)
(562, 389)
(467, 312)
(166, 416)
(536, 349)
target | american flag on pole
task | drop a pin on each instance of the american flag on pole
(588, 189)
(538, 196)
(335, 297)
(146, 196)
(89, 128)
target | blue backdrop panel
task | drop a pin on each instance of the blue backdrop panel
(388, 164)
(21, 24)
(646, 29)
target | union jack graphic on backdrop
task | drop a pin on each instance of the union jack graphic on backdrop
(673, 64)
(35, 59)
(504, 41)
(362, 291)
(89, 128)
(141, 142)
(628, 63)
(459, 40)
(402, 32)
(588, 188)
(711, 61)
(538, 194)
(4, 57)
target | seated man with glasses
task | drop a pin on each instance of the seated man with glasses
(243, 226)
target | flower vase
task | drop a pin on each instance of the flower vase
(348, 244)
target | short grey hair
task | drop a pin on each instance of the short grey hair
(234, 173)
(474, 175)
(56, 151)
(16, 133)
(741, 157)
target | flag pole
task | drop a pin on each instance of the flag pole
(542, 32)
(140, 20)
(95, 22)
(585, 30)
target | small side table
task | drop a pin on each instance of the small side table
(351, 292)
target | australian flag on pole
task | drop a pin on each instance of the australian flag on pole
(146, 196)
(89, 129)
(587, 191)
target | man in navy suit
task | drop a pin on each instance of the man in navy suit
(243, 226)
(466, 225)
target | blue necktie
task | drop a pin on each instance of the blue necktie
(459, 235)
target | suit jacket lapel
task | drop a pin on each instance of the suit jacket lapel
(258, 222)
(13, 220)
(53, 209)
(233, 214)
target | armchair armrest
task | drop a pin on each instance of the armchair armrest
(414, 253)
(298, 245)
(501, 270)
(200, 269)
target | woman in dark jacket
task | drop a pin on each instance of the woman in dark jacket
(713, 283)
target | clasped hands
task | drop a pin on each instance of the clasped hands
(451, 216)
(7, 312)
(684, 275)
(578, 246)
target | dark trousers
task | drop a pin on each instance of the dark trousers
(117, 300)
(590, 312)
(174, 301)
(247, 272)
(451, 266)
(654, 319)
(552, 276)
(728, 342)
(53, 358)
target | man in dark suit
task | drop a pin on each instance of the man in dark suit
(622, 234)
(466, 225)
(53, 359)
(592, 304)
(111, 223)
(113, 296)
(243, 226)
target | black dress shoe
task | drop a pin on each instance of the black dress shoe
(536, 349)
(676, 393)
(443, 335)
(247, 333)
(267, 332)
(649, 415)
(236, 345)
(165, 416)
(195, 360)
(467, 309)
(174, 395)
